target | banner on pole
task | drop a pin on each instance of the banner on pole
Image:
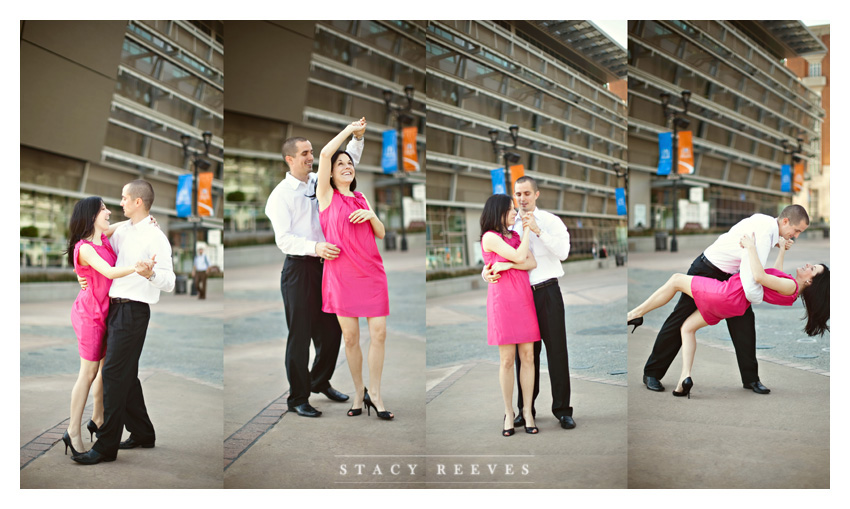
(665, 153)
(686, 153)
(205, 204)
(497, 177)
(409, 154)
(620, 194)
(785, 185)
(389, 157)
(184, 195)
(799, 171)
(517, 171)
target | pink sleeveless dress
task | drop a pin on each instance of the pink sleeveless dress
(718, 300)
(355, 283)
(88, 314)
(511, 316)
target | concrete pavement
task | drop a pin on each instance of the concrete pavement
(726, 436)
(181, 374)
(268, 447)
(464, 441)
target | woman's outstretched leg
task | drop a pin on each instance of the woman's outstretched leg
(676, 283)
(506, 382)
(377, 341)
(353, 355)
(526, 380)
(689, 345)
(79, 395)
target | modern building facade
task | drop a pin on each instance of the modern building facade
(555, 81)
(310, 79)
(106, 102)
(813, 70)
(747, 110)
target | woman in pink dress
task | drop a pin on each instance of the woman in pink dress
(354, 284)
(93, 258)
(717, 300)
(511, 317)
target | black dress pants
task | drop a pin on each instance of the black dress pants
(123, 401)
(301, 288)
(549, 304)
(742, 330)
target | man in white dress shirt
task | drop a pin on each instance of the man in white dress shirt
(294, 212)
(550, 244)
(130, 298)
(721, 261)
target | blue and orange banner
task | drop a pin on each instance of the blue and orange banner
(686, 153)
(409, 154)
(665, 153)
(205, 204)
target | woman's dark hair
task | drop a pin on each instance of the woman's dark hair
(82, 223)
(333, 160)
(816, 301)
(493, 217)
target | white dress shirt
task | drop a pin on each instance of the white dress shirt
(295, 216)
(139, 242)
(549, 248)
(727, 254)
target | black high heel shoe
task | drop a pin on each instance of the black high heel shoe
(353, 412)
(67, 439)
(92, 427)
(385, 415)
(531, 430)
(637, 322)
(687, 383)
(508, 431)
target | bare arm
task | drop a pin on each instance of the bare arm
(494, 243)
(363, 215)
(780, 258)
(324, 191)
(114, 227)
(779, 284)
(88, 256)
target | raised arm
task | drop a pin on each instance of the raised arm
(324, 191)
(780, 258)
(114, 227)
(88, 256)
(778, 284)
(552, 232)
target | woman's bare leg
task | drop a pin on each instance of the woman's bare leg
(526, 379)
(506, 381)
(351, 337)
(97, 396)
(689, 344)
(79, 394)
(377, 341)
(676, 283)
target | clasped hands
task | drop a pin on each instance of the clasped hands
(783, 243)
(358, 127)
(144, 268)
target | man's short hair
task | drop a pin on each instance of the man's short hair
(290, 147)
(141, 189)
(795, 214)
(526, 178)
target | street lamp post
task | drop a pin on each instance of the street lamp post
(678, 121)
(507, 158)
(198, 163)
(403, 116)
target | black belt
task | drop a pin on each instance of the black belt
(304, 257)
(711, 265)
(118, 300)
(544, 284)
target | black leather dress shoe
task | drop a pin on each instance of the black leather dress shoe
(334, 394)
(757, 387)
(652, 383)
(305, 410)
(567, 422)
(132, 443)
(92, 457)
